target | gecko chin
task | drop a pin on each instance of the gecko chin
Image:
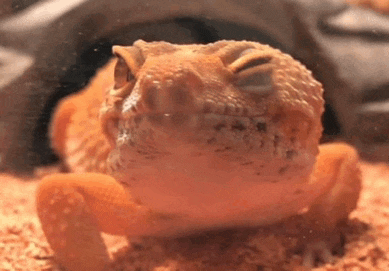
(193, 157)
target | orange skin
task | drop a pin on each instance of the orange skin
(75, 207)
(377, 5)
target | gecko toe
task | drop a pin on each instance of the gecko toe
(317, 251)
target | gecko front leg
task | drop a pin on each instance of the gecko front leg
(75, 208)
(339, 163)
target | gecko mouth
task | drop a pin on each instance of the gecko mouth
(147, 138)
(206, 127)
(189, 140)
(157, 136)
(195, 120)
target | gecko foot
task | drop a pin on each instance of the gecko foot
(317, 251)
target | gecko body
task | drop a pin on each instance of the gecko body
(190, 138)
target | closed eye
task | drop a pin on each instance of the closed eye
(251, 63)
(253, 72)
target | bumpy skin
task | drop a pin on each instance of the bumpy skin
(193, 138)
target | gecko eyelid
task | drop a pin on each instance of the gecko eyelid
(252, 62)
(254, 73)
(122, 73)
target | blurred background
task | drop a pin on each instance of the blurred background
(51, 48)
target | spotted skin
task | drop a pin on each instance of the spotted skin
(169, 140)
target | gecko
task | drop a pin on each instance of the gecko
(169, 140)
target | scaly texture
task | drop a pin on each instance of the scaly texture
(197, 138)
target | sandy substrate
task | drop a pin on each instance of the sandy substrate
(366, 238)
(365, 246)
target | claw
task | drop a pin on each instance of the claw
(317, 251)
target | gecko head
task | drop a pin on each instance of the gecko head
(239, 101)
